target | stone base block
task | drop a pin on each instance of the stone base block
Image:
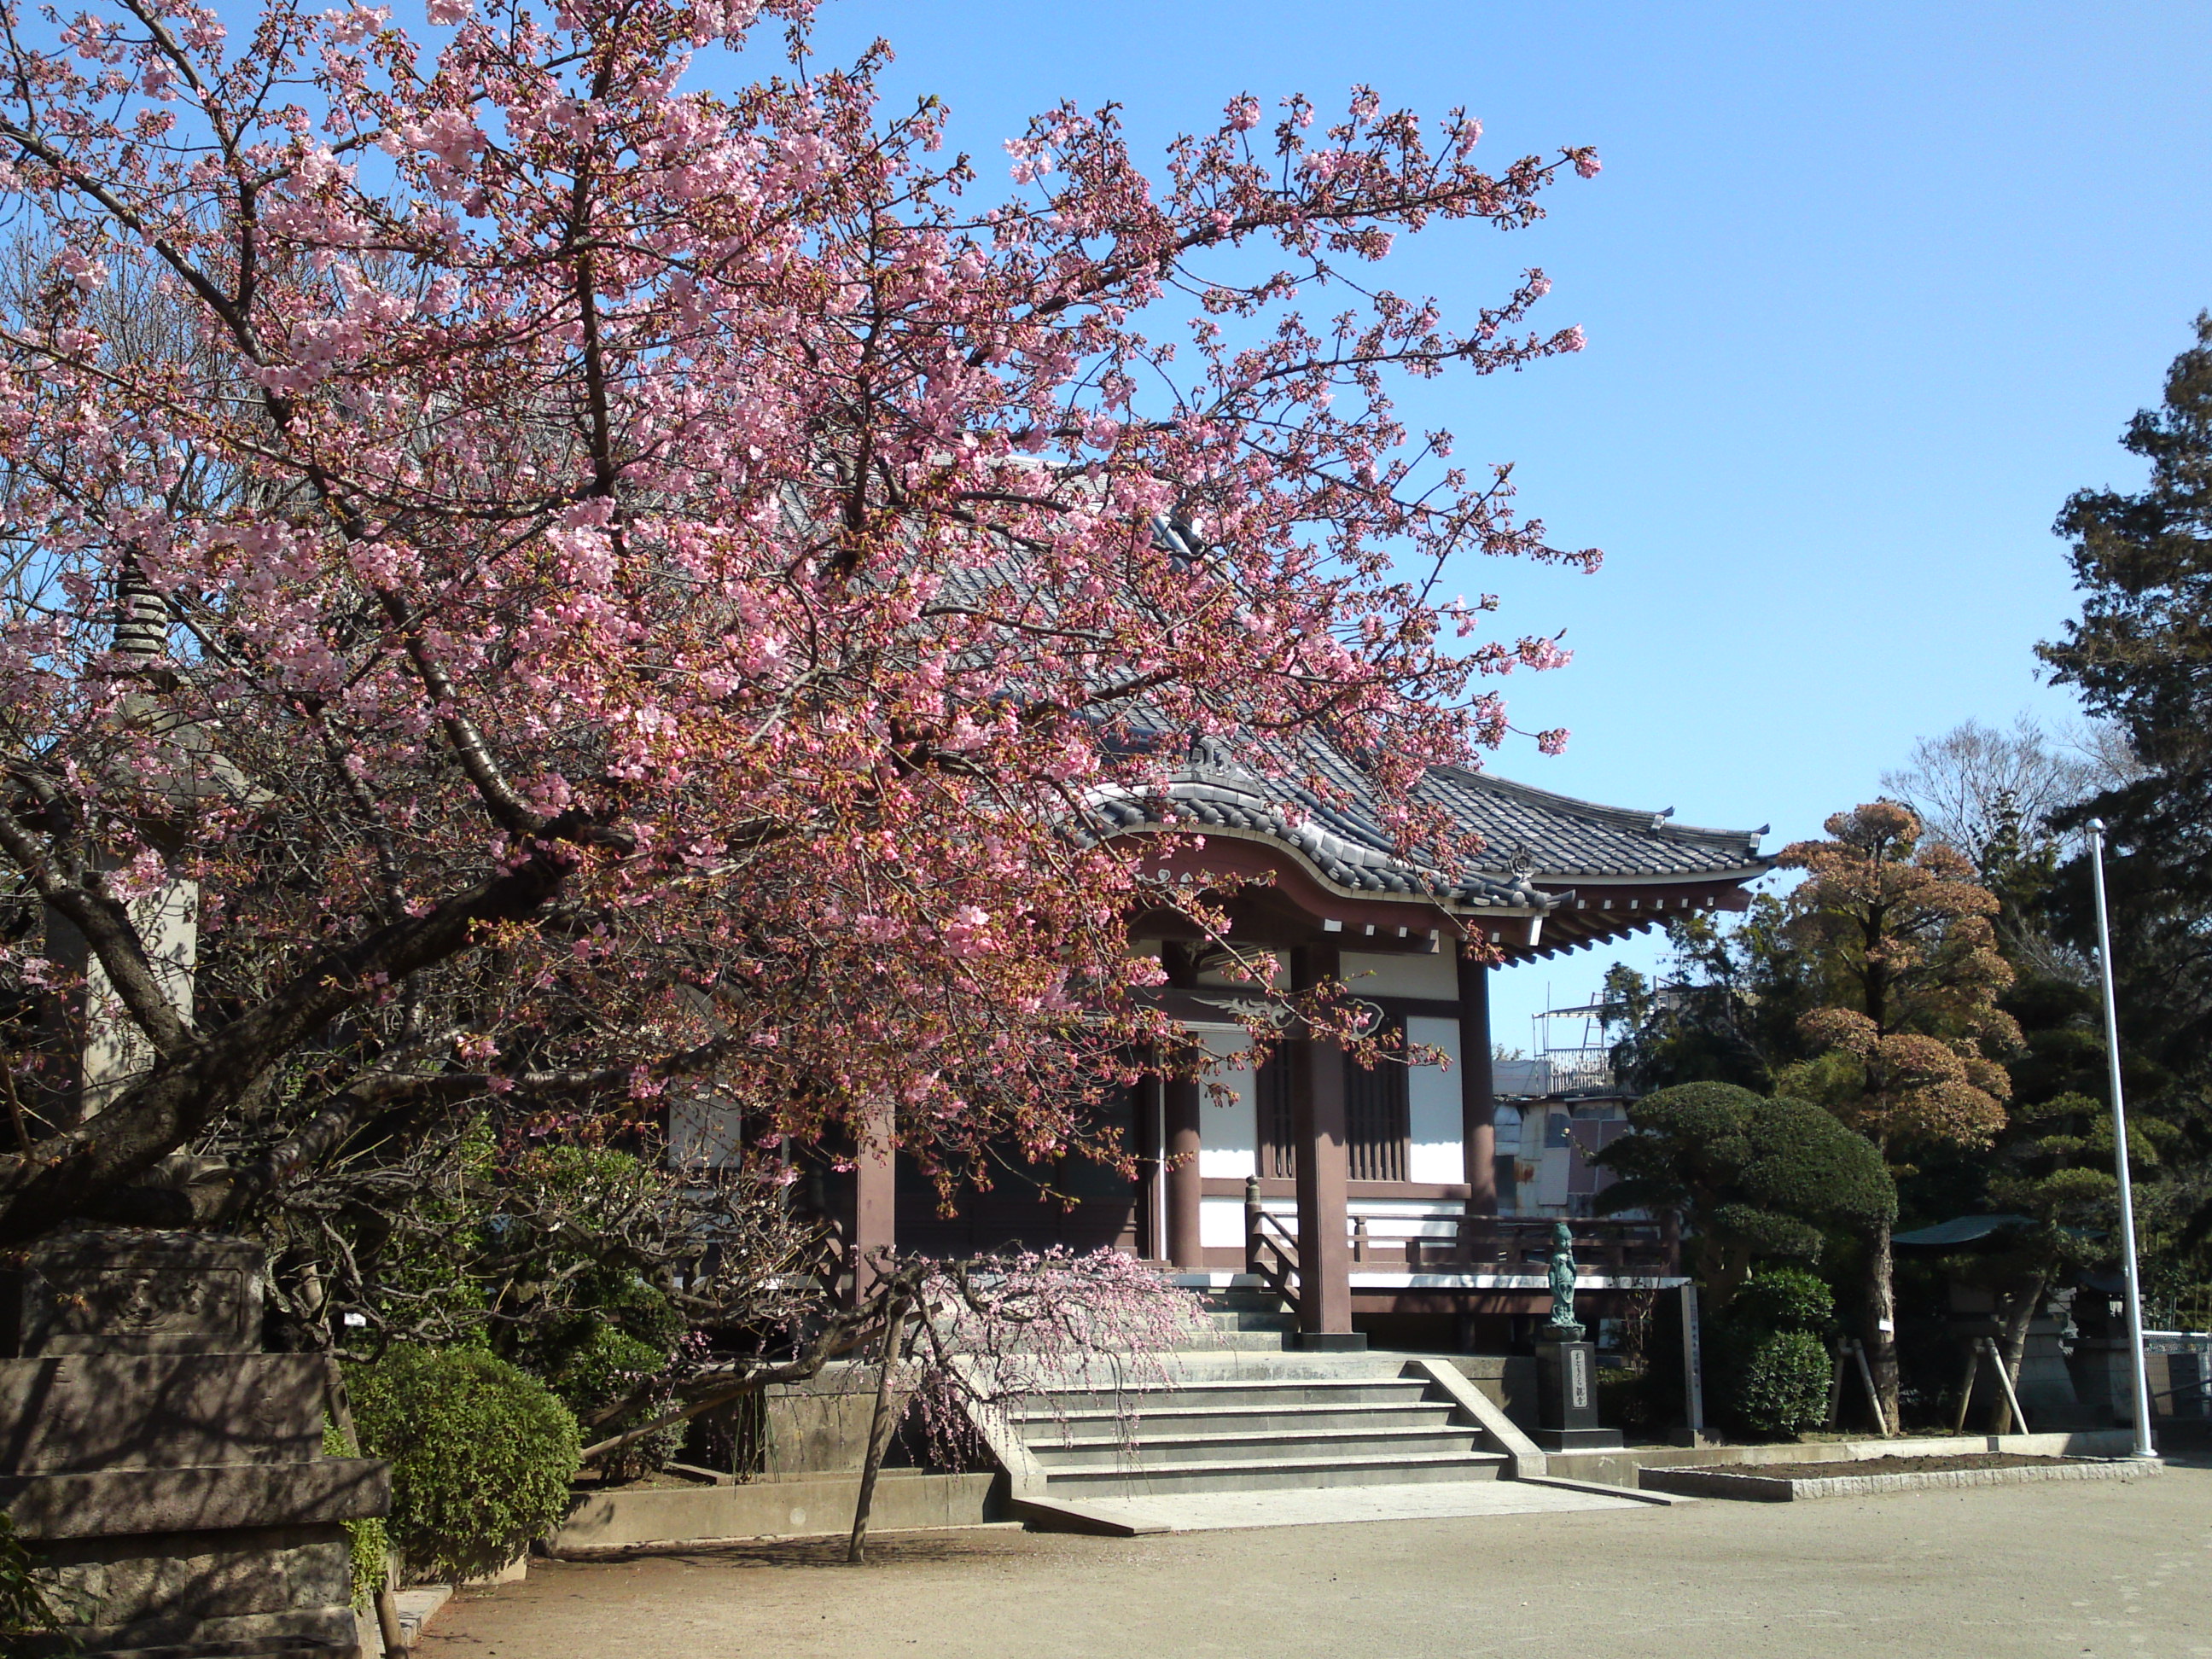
(70, 1412)
(1330, 1341)
(324, 1633)
(1567, 1385)
(128, 1290)
(230, 1592)
(108, 1503)
(1576, 1440)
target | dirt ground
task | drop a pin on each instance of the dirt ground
(2096, 1569)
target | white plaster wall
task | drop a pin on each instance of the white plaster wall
(1229, 1135)
(1221, 1223)
(1435, 977)
(1433, 1104)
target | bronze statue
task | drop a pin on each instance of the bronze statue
(1563, 1326)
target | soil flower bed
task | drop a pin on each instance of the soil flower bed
(1828, 1471)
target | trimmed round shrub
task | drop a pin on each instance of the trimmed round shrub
(1783, 1388)
(482, 1456)
(1783, 1298)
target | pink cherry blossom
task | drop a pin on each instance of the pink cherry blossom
(648, 584)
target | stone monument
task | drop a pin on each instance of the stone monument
(170, 1473)
(1566, 1365)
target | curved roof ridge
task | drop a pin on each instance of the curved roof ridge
(1627, 818)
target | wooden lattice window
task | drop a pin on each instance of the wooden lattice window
(1378, 1113)
(1278, 1125)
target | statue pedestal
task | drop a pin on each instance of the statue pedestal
(171, 1474)
(1566, 1397)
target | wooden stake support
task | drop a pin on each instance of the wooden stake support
(1874, 1394)
(1983, 1347)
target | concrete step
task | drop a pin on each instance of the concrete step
(1263, 1475)
(1253, 1393)
(1303, 1445)
(1208, 1363)
(1076, 1428)
(1241, 1301)
(1236, 1340)
(1250, 1319)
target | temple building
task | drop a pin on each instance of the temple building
(1407, 1202)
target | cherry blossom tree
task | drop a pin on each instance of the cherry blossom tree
(593, 586)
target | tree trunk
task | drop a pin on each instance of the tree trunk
(2015, 1314)
(1881, 1320)
(880, 1431)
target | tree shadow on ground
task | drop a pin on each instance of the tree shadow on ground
(888, 1549)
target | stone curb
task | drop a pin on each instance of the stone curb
(1772, 1489)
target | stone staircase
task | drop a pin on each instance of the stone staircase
(1236, 1413)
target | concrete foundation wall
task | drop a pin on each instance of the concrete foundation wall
(819, 1426)
(664, 1517)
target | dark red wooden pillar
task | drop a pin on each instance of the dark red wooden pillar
(1317, 1114)
(1181, 1131)
(1477, 1098)
(875, 1197)
(1185, 1187)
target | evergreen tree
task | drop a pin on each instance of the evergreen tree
(1896, 936)
(2140, 655)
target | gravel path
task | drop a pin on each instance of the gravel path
(2087, 1571)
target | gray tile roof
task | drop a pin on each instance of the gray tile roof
(1349, 849)
(1532, 838)
(1557, 838)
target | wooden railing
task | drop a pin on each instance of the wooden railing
(1487, 1243)
(1512, 1244)
(1271, 1251)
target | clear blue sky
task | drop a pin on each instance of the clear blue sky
(1869, 289)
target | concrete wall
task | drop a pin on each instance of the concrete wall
(1618, 1469)
(666, 1517)
(820, 1426)
(1509, 1380)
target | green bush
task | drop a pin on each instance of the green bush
(366, 1535)
(1621, 1398)
(482, 1456)
(1784, 1298)
(1768, 1357)
(27, 1590)
(601, 1370)
(625, 1333)
(1782, 1387)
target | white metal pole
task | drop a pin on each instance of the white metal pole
(2137, 1370)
